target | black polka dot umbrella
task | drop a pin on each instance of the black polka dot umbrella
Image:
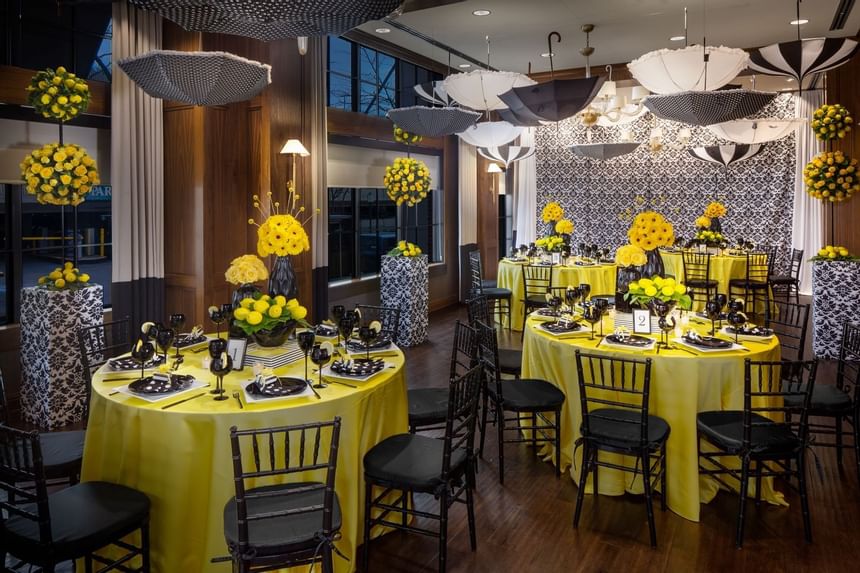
(200, 78)
(433, 121)
(271, 19)
(708, 107)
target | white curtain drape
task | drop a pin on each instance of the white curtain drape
(807, 227)
(468, 185)
(525, 193)
(137, 174)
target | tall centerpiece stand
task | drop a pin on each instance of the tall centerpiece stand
(835, 298)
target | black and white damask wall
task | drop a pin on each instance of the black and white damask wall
(601, 197)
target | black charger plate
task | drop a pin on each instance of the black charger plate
(285, 386)
(186, 340)
(708, 342)
(359, 368)
(129, 363)
(632, 340)
(151, 385)
(560, 328)
(755, 331)
(380, 343)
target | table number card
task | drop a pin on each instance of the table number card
(641, 321)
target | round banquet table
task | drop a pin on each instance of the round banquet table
(682, 384)
(510, 276)
(181, 457)
(723, 269)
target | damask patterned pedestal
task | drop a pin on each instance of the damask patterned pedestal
(835, 299)
(52, 376)
(405, 284)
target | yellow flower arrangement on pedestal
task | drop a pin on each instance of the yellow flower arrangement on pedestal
(630, 256)
(58, 94)
(831, 176)
(59, 174)
(564, 227)
(405, 137)
(266, 312)
(831, 121)
(715, 210)
(645, 290)
(281, 234)
(552, 212)
(405, 249)
(65, 277)
(650, 231)
(246, 269)
(407, 181)
(834, 253)
(703, 222)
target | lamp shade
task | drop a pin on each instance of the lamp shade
(708, 107)
(480, 89)
(756, 130)
(684, 69)
(800, 58)
(491, 133)
(494, 168)
(294, 147)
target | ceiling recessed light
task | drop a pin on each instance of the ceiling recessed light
(465, 66)
(789, 79)
(481, 12)
(383, 30)
(798, 22)
(677, 38)
(547, 55)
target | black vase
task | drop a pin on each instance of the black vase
(623, 277)
(654, 265)
(244, 291)
(276, 336)
(282, 279)
(716, 225)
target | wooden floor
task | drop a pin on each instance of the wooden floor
(526, 525)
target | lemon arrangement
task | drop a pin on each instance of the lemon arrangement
(59, 174)
(831, 176)
(405, 249)
(831, 121)
(833, 253)
(709, 238)
(551, 243)
(407, 181)
(58, 94)
(269, 320)
(642, 292)
(405, 137)
(67, 277)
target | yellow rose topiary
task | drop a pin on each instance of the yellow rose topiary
(63, 181)
(65, 277)
(407, 181)
(58, 94)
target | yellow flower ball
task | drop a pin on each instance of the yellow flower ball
(54, 275)
(275, 311)
(299, 312)
(651, 290)
(254, 317)
(59, 283)
(246, 302)
(240, 313)
(292, 303)
(261, 305)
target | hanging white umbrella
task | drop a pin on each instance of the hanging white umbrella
(433, 92)
(686, 69)
(756, 130)
(800, 58)
(506, 154)
(708, 107)
(433, 121)
(200, 78)
(604, 151)
(491, 133)
(480, 89)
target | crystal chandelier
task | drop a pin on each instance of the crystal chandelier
(612, 108)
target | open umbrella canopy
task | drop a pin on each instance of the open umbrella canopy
(685, 69)
(200, 78)
(604, 151)
(725, 155)
(506, 154)
(480, 89)
(756, 130)
(491, 134)
(433, 92)
(270, 19)
(523, 119)
(433, 121)
(554, 100)
(708, 107)
(800, 58)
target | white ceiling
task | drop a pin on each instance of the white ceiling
(624, 29)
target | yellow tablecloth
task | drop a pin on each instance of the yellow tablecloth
(681, 386)
(181, 457)
(510, 276)
(723, 269)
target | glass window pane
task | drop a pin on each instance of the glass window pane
(95, 253)
(387, 73)
(339, 92)
(340, 55)
(369, 99)
(406, 77)
(377, 228)
(367, 65)
(341, 234)
(6, 287)
(387, 100)
(422, 76)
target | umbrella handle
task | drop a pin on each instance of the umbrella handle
(549, 50)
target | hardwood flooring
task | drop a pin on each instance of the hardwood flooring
(526, 525)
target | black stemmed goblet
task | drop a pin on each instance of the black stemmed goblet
(571, 296)
(320, 356)
(712, 311)
(601, 305)
(142, 352)
(164, 338)
(345, 326)
(367, 335)
(337, 313)
(662, 309)
(177, 323)
(591, 315)
(722, 299)
(584, 291)
(306, 340)
(554, 303)
(667, 325)
(736, 316)
(220, 364)
(217, 316)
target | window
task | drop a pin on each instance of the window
(37, 238)
(506, 223)
(365, 80)
(364, 224)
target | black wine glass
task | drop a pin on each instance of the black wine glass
(217, 316)
(217, 348)
(591, 315)
(177, 323)
(736, 316)
(584, 291)
(722, 299)
(320, 356)
(337, 312)
(601, 305)
(367, 335)
(306, 340)
(665, 328)
(165, 338)
(345, 326)
(571, 296)
(712, 311)
(142, 352)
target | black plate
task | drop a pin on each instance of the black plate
(754, 331)
(359, 368)
(549, 312)
(152, 386)
(129, 363)
(285, 386)
(702, 315)
(632, 340)
(380, 343)
(708, 342)
(325, 331)
(186, 340)
(561, 327)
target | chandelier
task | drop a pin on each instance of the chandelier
(610, 107)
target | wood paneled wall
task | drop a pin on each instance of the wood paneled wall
(488, 218)
(14, 82)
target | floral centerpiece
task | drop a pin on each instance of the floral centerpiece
(644, 291)
(407, 181)
(629, 259)
(243, 272)
(630, 256)
(269, 320)
(564, 227)
(405, 249)
(831, 176)
(58, 94)
(833, 253)
(405, 137)
(551, 243)
(713, 213)
(713, 239)
(650, 231)
(59, 174)
(67, 277)
(831, 121)
(551, 214)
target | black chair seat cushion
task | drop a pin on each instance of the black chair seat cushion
(84, 517)
(62, 453)
(743, 283)
(782, 280)
(427, 406)
(286, 533)
(701, 283)
(489, 283)
(410, 461)
(726, 430)
(825, 398)
(536, 301)
(510, 361)
(496, 293)
(529, 395)
(620, 428)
